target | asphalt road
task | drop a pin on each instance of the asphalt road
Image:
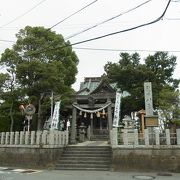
(83, 175)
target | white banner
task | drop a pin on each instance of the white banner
(55, 118)
(117, 109)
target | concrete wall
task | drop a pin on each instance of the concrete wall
(29, 157)
(146, 159)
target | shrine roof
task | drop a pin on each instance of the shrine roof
(90, 84)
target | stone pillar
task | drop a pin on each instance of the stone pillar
(26, 137)
(33, 133)
(11, 138)
(22, 138)
(125, 137)
(73, 126)
(109, 117)
(178, 136)
(157, 137)
(16, 141)
(38, 137)
(114, 138)
(136, 139)
(51, 138)
(7, 138)
(2, 138)
(168, 141)
(146, 137)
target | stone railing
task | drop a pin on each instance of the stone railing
(44, 139)
(131, 138)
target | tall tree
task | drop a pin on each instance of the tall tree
(130, 75)
(43, 62)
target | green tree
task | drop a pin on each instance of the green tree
(168, 106)
(130, 75)
(42, 62)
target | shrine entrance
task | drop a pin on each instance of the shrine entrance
(100, 126)
(92, 109)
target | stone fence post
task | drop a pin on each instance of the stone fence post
(33, 133)
(136, 139)
(157, 137)
(17, 140)
(7, 138)
(11, 138)
(2, 138)
(146, 136)
(168, 141)
(125, 137)
(114, 137)
(178, 136)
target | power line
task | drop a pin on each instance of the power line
(125, 50)
(18, 17)
(106, 35)
(73, 14)
(125, 30)
(107, 20)
(3, 40)
(172, 19)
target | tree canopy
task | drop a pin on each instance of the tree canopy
(130, 74)
(38, 63)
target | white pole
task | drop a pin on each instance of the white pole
(51, 105)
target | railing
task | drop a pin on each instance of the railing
(132, 138)
(34, 139)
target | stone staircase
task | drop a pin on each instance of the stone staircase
(100, 137)
(96, 158)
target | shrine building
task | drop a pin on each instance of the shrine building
(93, 109)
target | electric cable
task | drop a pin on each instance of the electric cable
(3, 40)
(125, 30)
(72, 14)
(18, 17)
(106, 35)
(107, 20)
(124, 50)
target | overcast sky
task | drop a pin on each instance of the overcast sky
(163, 35)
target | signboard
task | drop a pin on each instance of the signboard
(30, 109)
(151, 121)
(117, 109)
(55, 118)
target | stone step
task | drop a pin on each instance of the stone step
(79, 161)
(85, 158)
(85, 155)
(83, 165)
(88, 147)
(88, 152)
(84, 168)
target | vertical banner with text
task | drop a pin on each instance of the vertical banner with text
(117, 109)
(55, 118)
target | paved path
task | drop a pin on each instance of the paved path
(86, 175)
